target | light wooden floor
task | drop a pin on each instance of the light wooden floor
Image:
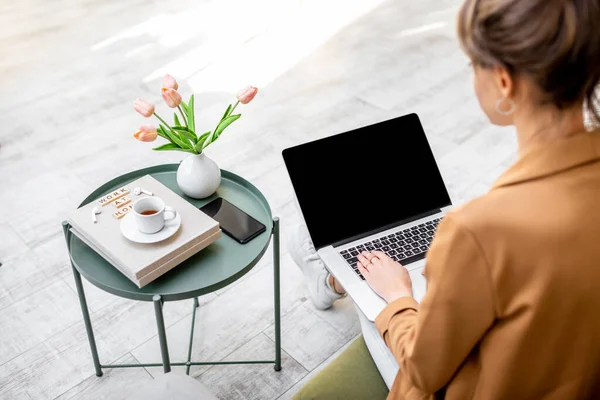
(69, 71)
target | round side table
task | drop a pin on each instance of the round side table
(215, 267)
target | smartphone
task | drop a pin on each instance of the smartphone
(234, 222)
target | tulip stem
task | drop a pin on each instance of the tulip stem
(234, 106)
(163, 121)
(167, 125)
(183, 116)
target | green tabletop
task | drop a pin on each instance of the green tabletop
(218, 265)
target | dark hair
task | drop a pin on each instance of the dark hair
(555, 43)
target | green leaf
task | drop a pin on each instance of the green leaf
(182, 128)
(167, 146)
(190, 114)
(201, 140)
(176, 119)
(225, 123)
(184, 132)
(220, 128)
(161, 133)
(171, 146)
(189, 143)
(184, 106)
(175, 138)
(227, 112)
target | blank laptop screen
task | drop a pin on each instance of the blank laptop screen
(362, 181)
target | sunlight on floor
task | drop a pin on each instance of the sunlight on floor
(259, 41)
(269, 55)
(422, 29)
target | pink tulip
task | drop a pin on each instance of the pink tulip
(246, 95)
(171, 96)
(146, 133)
(169, 82)
(144, 107)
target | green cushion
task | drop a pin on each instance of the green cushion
(353, 375)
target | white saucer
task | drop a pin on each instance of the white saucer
(130, 231)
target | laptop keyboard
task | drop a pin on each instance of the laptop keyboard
(405, 246)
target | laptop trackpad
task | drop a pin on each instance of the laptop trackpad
(419, 283)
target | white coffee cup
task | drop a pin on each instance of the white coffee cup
(150, 213)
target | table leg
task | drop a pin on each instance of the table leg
(87, 321)
(84, 307)
(276, 290)
(162, 334)
(189, 358)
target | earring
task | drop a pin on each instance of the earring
(511, 103)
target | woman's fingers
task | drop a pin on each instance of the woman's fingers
(369, 256)
(380, 255)
(362, 269)
(363, 260)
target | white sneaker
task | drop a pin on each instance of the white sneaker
(305, 255)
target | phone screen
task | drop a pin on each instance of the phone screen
(234, 222)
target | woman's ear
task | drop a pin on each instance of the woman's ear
(504, 82)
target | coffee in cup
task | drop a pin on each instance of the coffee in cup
(151, 213)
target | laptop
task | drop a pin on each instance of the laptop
(373, 188)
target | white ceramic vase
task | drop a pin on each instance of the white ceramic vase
(198, 176)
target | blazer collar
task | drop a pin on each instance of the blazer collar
(553, 157)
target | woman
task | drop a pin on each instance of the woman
(512, 308)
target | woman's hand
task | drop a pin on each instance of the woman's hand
(387, 278)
